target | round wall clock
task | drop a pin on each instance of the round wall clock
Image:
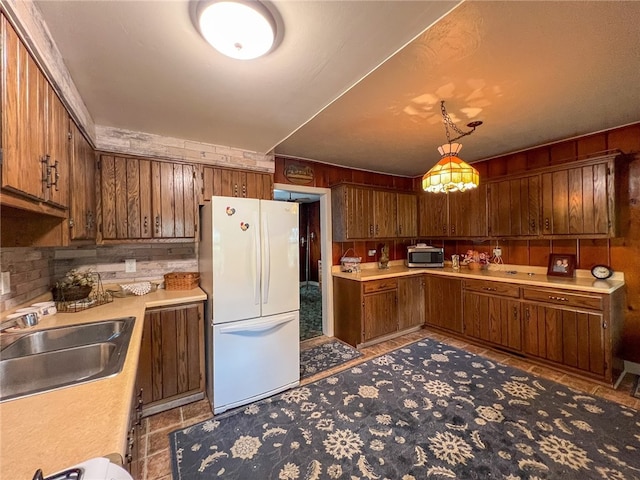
(601, 272)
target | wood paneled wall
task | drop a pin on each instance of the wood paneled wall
(622, 254)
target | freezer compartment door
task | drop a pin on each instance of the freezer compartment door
(255, 358)
(236, 259)
(280, 257)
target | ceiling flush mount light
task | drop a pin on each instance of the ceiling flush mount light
(451, 173)
(241, 29)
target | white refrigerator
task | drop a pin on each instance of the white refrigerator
(249, 260)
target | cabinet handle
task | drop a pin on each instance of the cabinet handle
(89, 220)
(533, 225)
(490, 289)
(527, 314)
(444, 229)
(244, 190)
(547, 224)
(157, 223)
(515, 312)
(235, 189)
(400, 229)
(71, 223)
(377, 229)
(145, 223)
(371, 229)
(559, 299)
(453, 229)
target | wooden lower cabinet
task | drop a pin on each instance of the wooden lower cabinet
(444, 303)
(171, 365)
(572, 338)
(491, 312)
(370, 311)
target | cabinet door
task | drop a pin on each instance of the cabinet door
(82, 211)
(411, 302)
(385, 214)
(407, 205)
(570, 337)
(125, 190)
(575, 201)
(444, 300)
(380, 314)
(171, 354)
(493, 319)
(514, 207)
(24, 93)
(352, 210)
(257, 185)
(468, 213)
(433, 215)
(58, 149)
(173, 200)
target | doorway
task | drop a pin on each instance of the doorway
(316, 289)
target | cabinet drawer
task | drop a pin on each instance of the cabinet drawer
(496, 288)
(380, 285)
(562, 297)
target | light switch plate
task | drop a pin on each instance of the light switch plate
(5, 283)
(130, 265)
(372, 253)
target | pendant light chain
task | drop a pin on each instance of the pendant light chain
(449, 123)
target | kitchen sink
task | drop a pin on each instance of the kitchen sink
(49, 359)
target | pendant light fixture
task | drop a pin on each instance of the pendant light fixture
(241, 29)
(451, 173)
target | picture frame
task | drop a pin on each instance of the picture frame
(561, 265)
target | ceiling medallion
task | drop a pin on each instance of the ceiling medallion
(451, 173)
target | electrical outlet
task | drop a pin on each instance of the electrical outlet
(5, 283)
(130, 265)
(497, 252)
(372, 253)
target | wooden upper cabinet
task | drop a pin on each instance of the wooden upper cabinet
(352, 211)
(514, 206)
(468, 213)
(35, 127)
(385, 214)
(82, 206)
(236, 183)
(407, 214)
(577, 200)
(144, 199)
(433, 215)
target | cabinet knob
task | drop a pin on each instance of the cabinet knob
(157, 223)
(371, 229)
(444, 229)
(377, 229)
(515, 312)
(244, 190)
(71, 223)
(235, 189)
(533, 224)
(453, 229)
(559, 299)
(547, 224)
(145, 223)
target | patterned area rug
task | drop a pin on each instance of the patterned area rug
(325, 356)
(310, 312)
(424, 411)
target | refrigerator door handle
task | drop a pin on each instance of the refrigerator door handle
(258, 326)
(256, 275)
(267, 259)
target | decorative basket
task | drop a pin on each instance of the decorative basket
(350, 264)
(181, 280)
(71, 294)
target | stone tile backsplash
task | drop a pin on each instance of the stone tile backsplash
(34, 270)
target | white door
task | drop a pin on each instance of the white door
(280, 257)
(254, 359)
(236, 259)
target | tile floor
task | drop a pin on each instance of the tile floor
(155, 440)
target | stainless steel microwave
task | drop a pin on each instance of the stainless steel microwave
(424, 256)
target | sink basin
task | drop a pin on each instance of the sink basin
(42, 341)
(60, 357)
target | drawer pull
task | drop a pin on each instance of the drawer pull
(490, 289)
(559, 299)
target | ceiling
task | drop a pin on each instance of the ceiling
(359, 83)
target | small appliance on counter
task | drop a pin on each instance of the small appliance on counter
(424, 256)
(95, 469)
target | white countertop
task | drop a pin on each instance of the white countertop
(525, 275)
(58, 429)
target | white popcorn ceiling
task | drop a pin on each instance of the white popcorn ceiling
(359, 83)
